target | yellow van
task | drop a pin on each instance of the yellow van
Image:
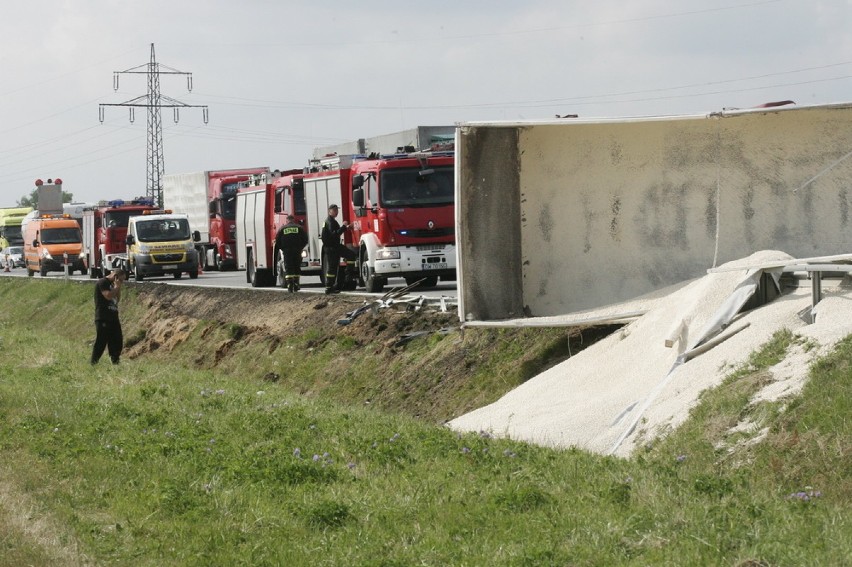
(51, 241)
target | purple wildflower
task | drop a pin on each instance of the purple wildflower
(351, 466)
(805, 495)
(465, 450)
(297, 453)
(681, 458)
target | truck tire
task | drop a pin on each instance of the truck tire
(96, 269)
(137, 274)
(177, 275)
(251, 271)
(42, 271)
(280, 280)
(372, 283)
(193, 274)
(217, 261)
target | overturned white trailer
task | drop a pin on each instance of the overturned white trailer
(561, 216)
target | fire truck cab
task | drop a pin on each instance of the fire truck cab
(105, 231)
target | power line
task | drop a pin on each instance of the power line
(153, 102)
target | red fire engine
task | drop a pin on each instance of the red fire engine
(105, 231)
(262, 208)
(401, 208)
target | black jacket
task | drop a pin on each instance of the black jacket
(331, 231)
(291, 236)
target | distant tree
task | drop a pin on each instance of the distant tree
(31, 200)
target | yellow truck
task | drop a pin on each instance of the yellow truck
(159, 243)
(10, 226)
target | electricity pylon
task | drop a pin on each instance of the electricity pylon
(153, 102)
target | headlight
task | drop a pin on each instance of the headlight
(82, 254)
(144, 249)
(387, 254)
(45, 254)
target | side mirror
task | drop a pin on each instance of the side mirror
(196, 236)
(358, 195)
(211, 207)
(357, 181)
(130, 241)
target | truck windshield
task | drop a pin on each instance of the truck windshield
(69, 235)
(159, 230)
(408, 188)
(229, 207)
(13, 235)
(115, 219)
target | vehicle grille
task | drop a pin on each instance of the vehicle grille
(426, 233)
(167, 258)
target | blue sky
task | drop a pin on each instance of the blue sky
(281, 78)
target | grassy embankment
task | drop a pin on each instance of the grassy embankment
(158, 462)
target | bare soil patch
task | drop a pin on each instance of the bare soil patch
(437, 382)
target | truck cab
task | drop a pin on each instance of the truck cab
(161, 243)
(51, 242)
(403, 218)
(105, 231)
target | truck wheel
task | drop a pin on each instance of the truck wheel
(323, 269)
(372, 283)
(177, 275)
(193, 274)
(42, 271)
(280, 280)
(217, 261)
(251, 271)
(137, 274)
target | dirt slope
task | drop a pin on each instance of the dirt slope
(390, 361)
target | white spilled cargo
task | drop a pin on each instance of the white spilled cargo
(640, 382)
(567, 215)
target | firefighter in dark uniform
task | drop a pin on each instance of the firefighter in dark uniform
(333, 250)
(291, 240)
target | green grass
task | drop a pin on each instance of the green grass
(163, 461)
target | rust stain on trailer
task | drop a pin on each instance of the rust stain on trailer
(614, 228)
(661, 221)
(545, 222)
